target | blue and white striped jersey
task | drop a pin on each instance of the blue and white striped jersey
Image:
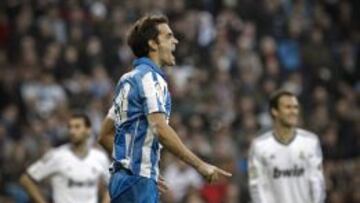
(138, 93)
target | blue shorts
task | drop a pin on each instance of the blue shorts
(126, 188)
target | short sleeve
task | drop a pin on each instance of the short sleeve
(316, 176)
(152, 93)
(258, 185)
(105, 164)
(44, 167)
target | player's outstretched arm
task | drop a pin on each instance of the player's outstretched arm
(32, 189)
(172, 142)
(106, 137)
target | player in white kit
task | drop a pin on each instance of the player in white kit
(77, 171)
(285, 164)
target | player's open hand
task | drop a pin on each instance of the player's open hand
(212, 173)
(162, 186)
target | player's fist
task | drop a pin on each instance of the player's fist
(162, 186)
(212, 173)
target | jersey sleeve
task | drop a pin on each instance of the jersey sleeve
(258, 186)
(44, 167)
(151, 92)
(105, 164)
(316, 176)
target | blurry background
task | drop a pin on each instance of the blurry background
(60, 55)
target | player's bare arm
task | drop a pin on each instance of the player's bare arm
(107, 132)
(172, 142)
(104, 193)
(32, 188)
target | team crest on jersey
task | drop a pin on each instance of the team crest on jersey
(301, 155)
(158, 89)
(252, 172)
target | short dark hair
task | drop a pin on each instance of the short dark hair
(143, 30)
(275, 97)
(82, 116)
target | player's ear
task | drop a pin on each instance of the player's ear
(274, 112)
(88, 131)
(152, 45)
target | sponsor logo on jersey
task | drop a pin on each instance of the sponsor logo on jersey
(288, 173)
(86, 183)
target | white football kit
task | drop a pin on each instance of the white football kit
(286, 173)
(73, 179)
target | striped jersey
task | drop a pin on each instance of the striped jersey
(283, 173)
(139, 93)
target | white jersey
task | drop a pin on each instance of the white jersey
(73, 179)
(286, 173)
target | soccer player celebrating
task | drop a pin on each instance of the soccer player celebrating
(285, 164)
(139, 118)
(77, 171)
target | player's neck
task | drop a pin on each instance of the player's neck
(81, 150)
(283, 133)
(155, 58)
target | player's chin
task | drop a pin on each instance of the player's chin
(75, 140)
(291, 118)
(171, 62)
(293, 122)
(172, 59)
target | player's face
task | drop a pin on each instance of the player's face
(288, 111)
(166, 45)
(78, 131)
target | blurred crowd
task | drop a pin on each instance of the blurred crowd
(57, 56)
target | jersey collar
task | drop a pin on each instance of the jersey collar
(283, 143)
(149, 62)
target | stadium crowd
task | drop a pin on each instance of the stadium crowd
(58, 56)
